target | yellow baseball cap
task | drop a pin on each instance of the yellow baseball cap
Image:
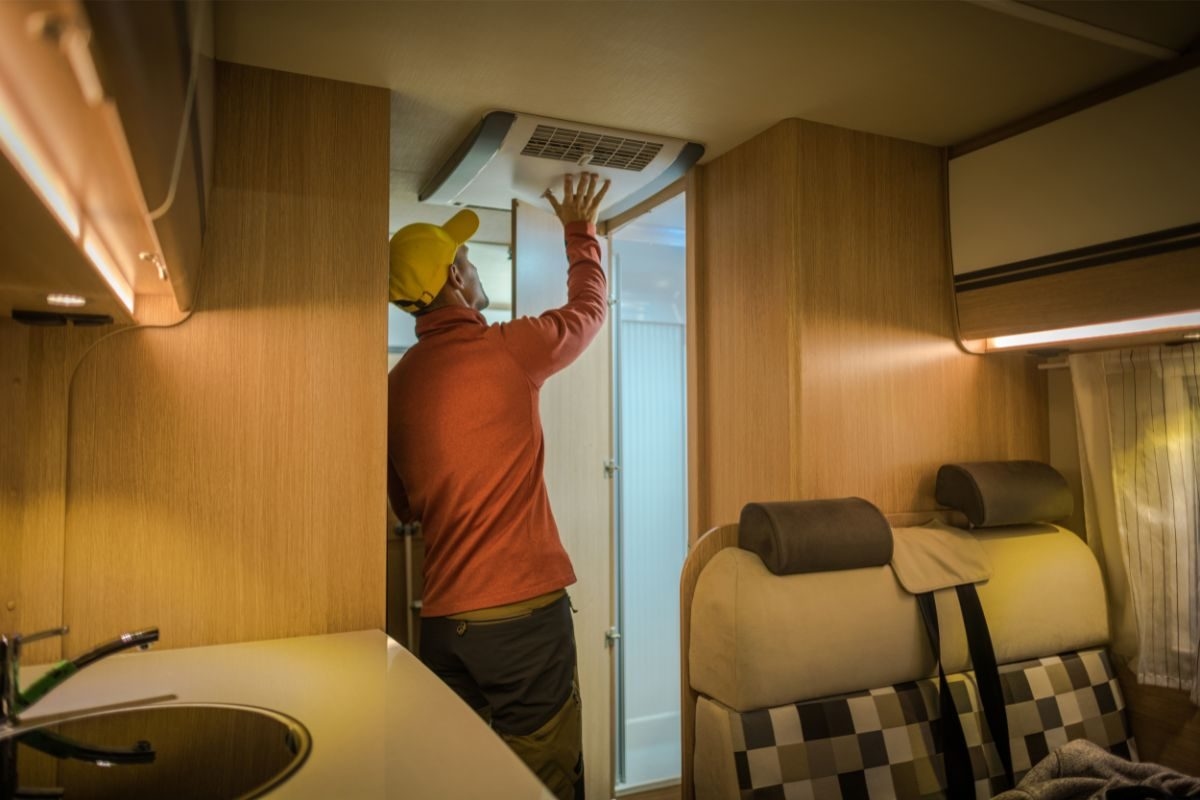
(421, 255)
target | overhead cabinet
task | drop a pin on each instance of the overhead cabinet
(1091, 219)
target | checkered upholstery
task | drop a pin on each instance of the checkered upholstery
(880, 743)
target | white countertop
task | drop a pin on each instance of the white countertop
(382, 725)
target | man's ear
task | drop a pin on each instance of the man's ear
(455, 278)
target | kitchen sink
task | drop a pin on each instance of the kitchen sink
(174, 750)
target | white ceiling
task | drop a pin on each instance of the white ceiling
(717, 72)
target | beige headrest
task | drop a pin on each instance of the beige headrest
(761, 640)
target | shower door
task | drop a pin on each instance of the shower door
(650, 434)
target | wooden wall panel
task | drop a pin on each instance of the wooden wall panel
(828, 364)
(35, 370)
(694, 275)
(886, 395)
(745, 325)
(1165, 724)
(226, 476)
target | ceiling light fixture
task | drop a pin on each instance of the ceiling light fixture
(1163, 322)
(66, 300)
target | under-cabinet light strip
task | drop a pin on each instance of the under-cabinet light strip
(23, 150)
(1163, 322)
(102, 259)
(18, 148)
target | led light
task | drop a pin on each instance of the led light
(1122, 328)
(20, 152)
(68, 300)
(108, 269)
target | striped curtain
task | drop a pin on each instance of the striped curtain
(1139, 423)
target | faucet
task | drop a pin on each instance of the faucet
(14, 700)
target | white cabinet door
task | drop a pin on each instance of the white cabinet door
(576, 408)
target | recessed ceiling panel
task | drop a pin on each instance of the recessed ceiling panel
(937, 72)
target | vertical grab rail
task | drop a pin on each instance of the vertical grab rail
(407, 531)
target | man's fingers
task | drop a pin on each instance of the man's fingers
(579, 195)
(600, 195)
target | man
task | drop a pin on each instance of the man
(465, 457)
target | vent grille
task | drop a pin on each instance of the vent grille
(566, 144)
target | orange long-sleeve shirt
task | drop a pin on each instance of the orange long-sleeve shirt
(465, 447)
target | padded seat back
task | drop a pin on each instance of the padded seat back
(823, 683)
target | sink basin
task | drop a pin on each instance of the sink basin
(179, 751)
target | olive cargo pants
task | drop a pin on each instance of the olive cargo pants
(520, 673)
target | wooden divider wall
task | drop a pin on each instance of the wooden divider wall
(36, 365)
(828, 365)
(224, 478)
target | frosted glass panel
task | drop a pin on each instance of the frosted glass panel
(654, 535)
(649, 328)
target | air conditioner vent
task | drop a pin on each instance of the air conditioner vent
(515, 156)
(566, 144)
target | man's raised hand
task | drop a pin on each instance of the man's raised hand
(580, 203)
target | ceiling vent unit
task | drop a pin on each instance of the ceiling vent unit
(1090, 220)
(518, 156)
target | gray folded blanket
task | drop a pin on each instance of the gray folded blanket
(1081, 769)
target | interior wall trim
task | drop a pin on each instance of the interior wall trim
(1078, 27)
(617, 221)
(1168, 240)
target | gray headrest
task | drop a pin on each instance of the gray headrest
(993, 493)
(816, 535)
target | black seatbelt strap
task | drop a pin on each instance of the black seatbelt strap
(987, 675)
(960, 778)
